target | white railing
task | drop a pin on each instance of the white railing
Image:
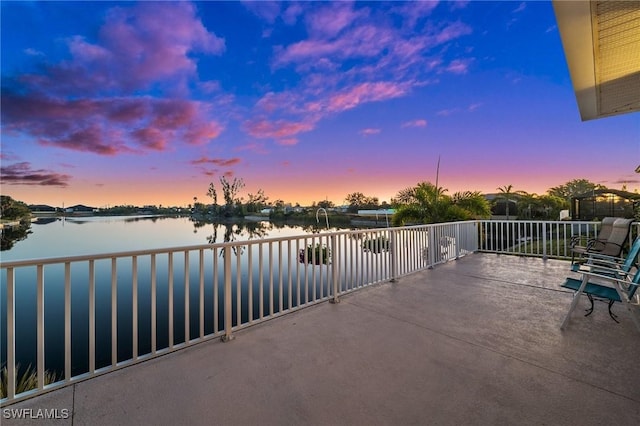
(538, 238)
(82, 316)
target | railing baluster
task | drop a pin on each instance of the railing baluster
(216, 301)
(11, 333)
(228, 317)
(154, 304)
(201, 291)
(67, 321)
(296, 260)
(335, 268)
(187, 328)
(170, 297)
(250, 283)
(134, 307)
(289, 277)
(114, 312)
(270, 279)
(238, 286)
(40, 326)
(280, 277)
(261, 281)
(92, 316)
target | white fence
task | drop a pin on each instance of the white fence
(73, 318)
(538, 238)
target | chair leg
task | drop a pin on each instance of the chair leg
(590, 310)
(611, 314)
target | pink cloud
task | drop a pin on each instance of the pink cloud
(329, 21)
(280, 129)
(150, 138)
(451, 32)
(23, 174)
(366, 92)
(415, 123)
(459, 66)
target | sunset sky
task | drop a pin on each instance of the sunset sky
(108, 103)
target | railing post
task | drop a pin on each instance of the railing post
(335, 269)
(431, 247)
(544, 240)
(227, 296)
(393, 258)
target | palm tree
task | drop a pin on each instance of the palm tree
(506, 194)
(430, 204)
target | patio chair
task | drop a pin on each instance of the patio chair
(597, 243)
(613, 285)
(604, 262)
(611, 246)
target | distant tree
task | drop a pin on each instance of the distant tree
(507, 194)
(405, 196)
(256, 202)
(473, 202)
(213, 194)
(574, 188)
(326, 204)
(359, 201)
(11, 209)
(231, 189)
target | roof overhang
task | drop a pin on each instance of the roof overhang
(601, 41)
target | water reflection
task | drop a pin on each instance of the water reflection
(12, 235)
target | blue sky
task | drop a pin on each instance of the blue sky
(107, 103)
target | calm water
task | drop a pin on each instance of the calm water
(94, 235)
(106, 234)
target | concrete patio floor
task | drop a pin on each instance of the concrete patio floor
(471, 342)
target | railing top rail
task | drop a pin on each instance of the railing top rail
(567, 222)
(177, 249)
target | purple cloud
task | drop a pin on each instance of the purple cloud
(148, 43)
(23, 174)
(217, 161)
(414, 123)
(111, 125)
(369, 131)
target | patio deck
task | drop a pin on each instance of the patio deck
(474, 341)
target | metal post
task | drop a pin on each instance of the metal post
(335, 269)
(431, 251)
(544, 241)
(393, 256)
(227, 296)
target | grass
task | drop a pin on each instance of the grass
(26, 380)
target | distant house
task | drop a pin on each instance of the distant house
(604, 202)
(41, 208)
(80, 208)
